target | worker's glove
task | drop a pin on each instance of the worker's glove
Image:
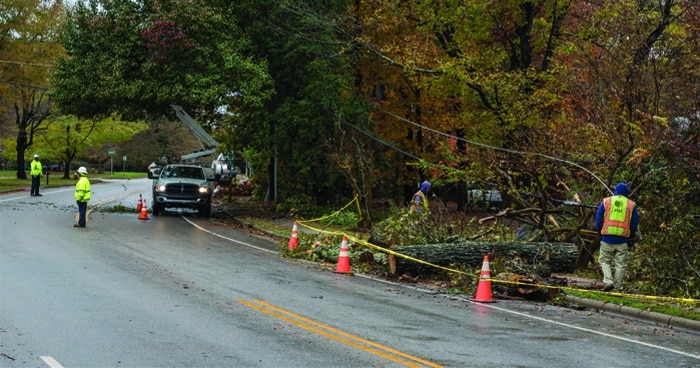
(631, 243)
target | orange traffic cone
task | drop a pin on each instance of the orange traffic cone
(140, 204)
(144, 211)
(294, 240)
(343, 258)
(483, 289)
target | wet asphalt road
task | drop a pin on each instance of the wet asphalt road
(177, 291)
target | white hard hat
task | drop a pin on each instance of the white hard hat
(82, 170)
(36, 156)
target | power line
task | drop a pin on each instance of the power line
(495, 148)
(42, 88)
(25, 63)
(23, 84)
(381, 141)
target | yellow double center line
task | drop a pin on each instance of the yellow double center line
(338, 335)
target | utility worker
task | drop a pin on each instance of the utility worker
(35, 172)
(82, 196)
(419, 202)
(616, 221)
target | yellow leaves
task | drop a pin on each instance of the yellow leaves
(661, 121)
(638, 156)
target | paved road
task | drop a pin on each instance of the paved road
(176, 291)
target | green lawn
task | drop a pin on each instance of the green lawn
(9, 181)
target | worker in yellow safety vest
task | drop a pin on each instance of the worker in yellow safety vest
(616, 221)
(82, 196)
(35, 171)
(419, 202)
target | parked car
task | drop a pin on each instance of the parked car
(484, 197)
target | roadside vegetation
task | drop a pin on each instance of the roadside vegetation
(323, 247)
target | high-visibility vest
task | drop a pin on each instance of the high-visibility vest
(82, 189)
(618, 215)
(423, 200)
(36, 168)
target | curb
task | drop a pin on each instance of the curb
(663, 319)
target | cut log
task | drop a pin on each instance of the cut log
(523, 287)
(560, 257)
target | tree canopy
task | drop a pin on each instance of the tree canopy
(136, 58)
(28, 46)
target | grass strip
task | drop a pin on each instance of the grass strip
(688, 311)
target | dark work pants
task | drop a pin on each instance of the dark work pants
(36, 180)
(82, 211)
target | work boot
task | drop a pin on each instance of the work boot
(608, 287)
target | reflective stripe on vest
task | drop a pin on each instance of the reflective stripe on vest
(618, 215)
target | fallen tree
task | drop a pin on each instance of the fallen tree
(557, 257)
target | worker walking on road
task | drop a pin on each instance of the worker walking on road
(616, 221)
(35, 172)
(419, 202)
(82, 196)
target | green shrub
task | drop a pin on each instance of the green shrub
(667, 261)
(300, 205)
(404, 227)
(347, 219)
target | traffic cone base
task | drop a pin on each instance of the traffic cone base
(483, 289)
(144, 211)
(294, 239)
(343, 265)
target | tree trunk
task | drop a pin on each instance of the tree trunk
(20, 149)
(589, 244)
(560, 257)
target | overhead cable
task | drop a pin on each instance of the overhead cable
(495, 148)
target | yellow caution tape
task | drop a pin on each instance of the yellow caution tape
(305, 223)
(354, 200)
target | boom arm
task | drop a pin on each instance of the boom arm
(205, 141)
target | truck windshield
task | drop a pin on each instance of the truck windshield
(183, 172)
